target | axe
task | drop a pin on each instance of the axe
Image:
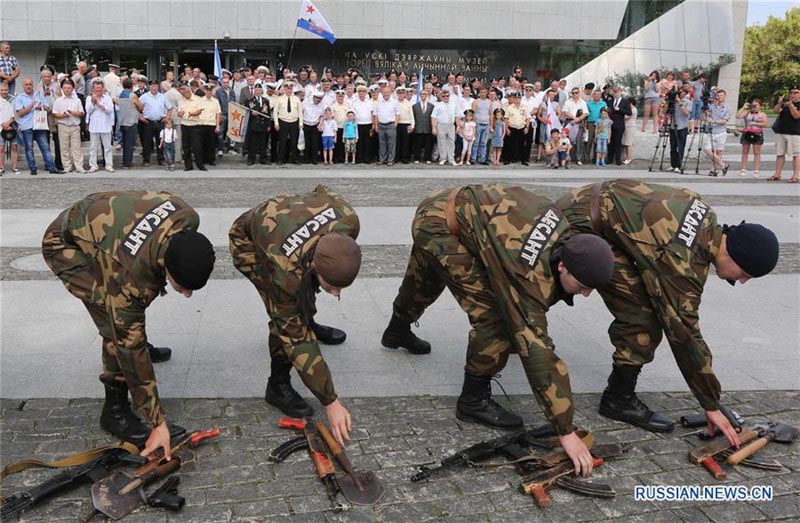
(777, 432)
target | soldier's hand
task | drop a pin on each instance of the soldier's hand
(159, 438)
(578, 453)
(716, 419)
(339, 420)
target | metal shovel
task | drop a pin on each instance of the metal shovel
(777, 432)
(360, 488)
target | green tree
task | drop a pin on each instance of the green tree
(771, 62)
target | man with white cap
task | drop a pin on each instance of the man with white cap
(286, 115)
(313, 111)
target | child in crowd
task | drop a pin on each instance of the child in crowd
(602, 135)
(468, 132)
(553, 147)
(329, 129)
(564, 149)
(350, 137)
(167, 138)
(498, 129)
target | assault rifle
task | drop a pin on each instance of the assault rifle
(89, 472)
(511, 446)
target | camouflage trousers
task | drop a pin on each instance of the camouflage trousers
(636, 331)
(243, 251)
(81, 274)
(439, 260)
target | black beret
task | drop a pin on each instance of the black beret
(189, 259)
(753, 247)
(589, 259)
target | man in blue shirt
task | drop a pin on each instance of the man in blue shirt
(25, 104)
(155, 109)
(595, 105)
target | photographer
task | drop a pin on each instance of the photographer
(753, 134)
(787, 133)
(698, 87)
(719, 113)
(679, 108)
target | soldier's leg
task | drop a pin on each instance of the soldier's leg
(421, 286)
(635, 334)
(489, 346)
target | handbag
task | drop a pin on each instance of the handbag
(40, 120)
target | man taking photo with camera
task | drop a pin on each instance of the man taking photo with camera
(718, 115)
(680, 110)
(787, 133)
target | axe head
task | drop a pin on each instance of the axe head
(782, 433)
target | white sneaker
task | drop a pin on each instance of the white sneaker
(92, 168)
(110, 169)
(416, 162)
(80, 170)
(118, 147)
(458, 163)
(452, 162)
(743, 172)
(581, 163)
(677, 170)
(219, 153)
(232, 152)
(442, 162)
(756, 174)
(426, 163)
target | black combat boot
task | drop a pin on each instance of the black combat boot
(619, 402)
(119, 419)
(281, 395)
(158, 354)
(398, 334)
(476, 405)
(328, 335)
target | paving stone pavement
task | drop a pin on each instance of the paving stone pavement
(233, 480)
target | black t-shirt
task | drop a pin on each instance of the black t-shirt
(785, 124)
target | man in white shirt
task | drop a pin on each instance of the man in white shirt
(405, 125)
(363, 109)
(387, 115)
(531, 104)
(68, 111)
(100, 121)
(312, 118)
(575, 111)
(444, 123)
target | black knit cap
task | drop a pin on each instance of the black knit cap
(753, 247)
(589, 259)
(190, 259)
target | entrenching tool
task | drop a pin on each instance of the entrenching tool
(538, 485)
(777, 432)
(360, 488)
(122, 492)
(705, 455)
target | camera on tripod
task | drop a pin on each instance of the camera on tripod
(672, 95)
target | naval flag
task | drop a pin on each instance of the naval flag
(312, 21)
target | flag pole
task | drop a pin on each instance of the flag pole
(294, 35)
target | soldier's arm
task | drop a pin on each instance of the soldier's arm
(680, 315)
(542, 364)
(130, 339)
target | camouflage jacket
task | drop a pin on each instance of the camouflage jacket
(285, 231)
(514, 233)
(673, 236)
(127, 234)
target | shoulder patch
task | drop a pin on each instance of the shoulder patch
(692, 218)
(299, 237)
(147, 225)
(542, 231)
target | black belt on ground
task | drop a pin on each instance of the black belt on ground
(66, 234)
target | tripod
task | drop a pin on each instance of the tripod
(704, 130)
(663, 139)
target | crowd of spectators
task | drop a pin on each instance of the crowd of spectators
(350, 117)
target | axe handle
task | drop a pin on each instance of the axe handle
(745, 452)
(713, 467)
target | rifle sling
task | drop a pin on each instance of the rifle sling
(71, 461)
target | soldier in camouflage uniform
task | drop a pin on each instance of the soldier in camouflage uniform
(507, 256)
(115, 251)
(664, 240)
(288, 247)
